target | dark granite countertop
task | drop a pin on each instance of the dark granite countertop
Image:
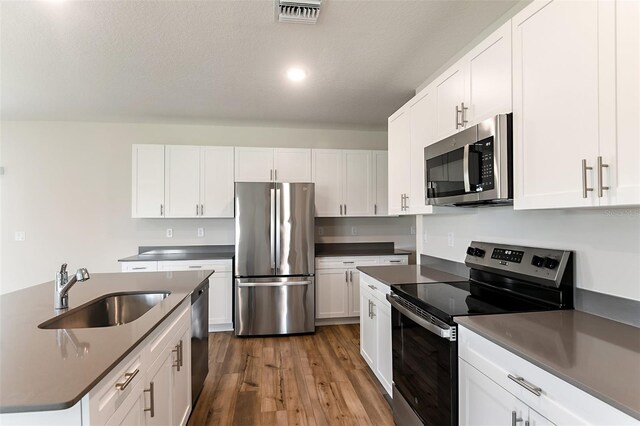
(37, 373)
(173, 253)
(408, 274)
(358, 249)
(597, 355)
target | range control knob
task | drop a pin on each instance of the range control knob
(479, 252)
(471, 251)
(550, 263)
(537, 261)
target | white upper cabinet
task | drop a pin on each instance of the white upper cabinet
(380, 187)
(182, 177)
(399, 146)
(216, 181)
(620, 110)
(477, 87)
(346, 182)
(576, 113)
(358, 183)
(327, 176)
(450, 99)
(273, 165)
(254, 164)
(182, 181)
(147, 193)
(488, 82)
(423, 133)
(292, 165)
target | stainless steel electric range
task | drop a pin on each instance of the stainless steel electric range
(502, 279)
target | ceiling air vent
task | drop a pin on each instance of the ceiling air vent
(298, 12)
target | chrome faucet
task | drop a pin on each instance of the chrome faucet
(63, 285)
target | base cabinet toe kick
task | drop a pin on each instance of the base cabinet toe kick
(151, 386)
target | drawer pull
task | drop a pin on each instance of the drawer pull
(138, 268)
(395, 261)
(129, 377)
(525, 384)
(372, 287)
(195, 266)
(348, 263)
(151, 408)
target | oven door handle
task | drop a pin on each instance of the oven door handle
(449, 334)
(465, 169)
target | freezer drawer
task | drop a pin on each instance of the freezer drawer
(274, 305)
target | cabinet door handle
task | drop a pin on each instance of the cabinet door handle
(345, 209)
(373, 313)
(585, 189)
(463, 114)
(181, 353)
(351, 276)
(515, 419)
(406, 202)
(340, 209)
(275, 174)
(128, 378)
(601, 165)
(346, 276)
(178, 351)
(197, 210)
(271, 174)
(458, 115)
(151, 408)
(525, 384)
(161, 210)
(375, 209)
(369, 308)
(201, 209)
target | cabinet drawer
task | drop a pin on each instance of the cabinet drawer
(346, 262)
(189, 265)
(151, 266)
(394, 260)
(560, 402)
(161, 340)
(108, 395)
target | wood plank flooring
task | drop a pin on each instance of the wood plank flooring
(315, 379)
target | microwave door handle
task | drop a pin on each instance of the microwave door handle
(465, 168)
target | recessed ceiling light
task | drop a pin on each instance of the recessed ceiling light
(296, 74)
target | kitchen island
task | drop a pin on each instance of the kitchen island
(54, 369)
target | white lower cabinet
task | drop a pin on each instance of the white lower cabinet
(375, 329)
(338, 283)
(220, 285)
(488, 396)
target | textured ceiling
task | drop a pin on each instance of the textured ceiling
(225, 60)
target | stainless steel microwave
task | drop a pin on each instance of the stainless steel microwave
(472, 167)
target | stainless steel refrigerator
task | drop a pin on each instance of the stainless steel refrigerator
(274, 263)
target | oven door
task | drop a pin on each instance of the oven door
(425, 373)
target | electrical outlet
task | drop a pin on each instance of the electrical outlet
(169, 233)
(20, 236)
(424, 236)
(412, 230)
(200, 232)
(320, 230)
(354, 230)
(450, 239)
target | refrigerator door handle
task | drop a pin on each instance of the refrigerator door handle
(272, 230)
(277, 230)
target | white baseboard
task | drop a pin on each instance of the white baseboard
(214, 328)
(337, 321)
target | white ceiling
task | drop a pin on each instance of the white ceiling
(226, 60)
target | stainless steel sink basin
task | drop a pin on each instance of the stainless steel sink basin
(107, 311)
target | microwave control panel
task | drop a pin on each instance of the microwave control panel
(481, 166)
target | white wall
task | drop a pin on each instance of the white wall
(371, 229)
(606, 241)
(67, 185)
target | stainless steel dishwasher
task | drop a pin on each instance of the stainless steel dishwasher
(199, 340)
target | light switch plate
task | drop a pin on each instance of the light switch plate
(450, 239)
(320, 230)
(354, 230)
(20, 236)
(412, 230)
(200, 232)
(169, 233)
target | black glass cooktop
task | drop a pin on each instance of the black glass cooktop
(448, 300)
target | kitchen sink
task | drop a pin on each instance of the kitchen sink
(107, 311)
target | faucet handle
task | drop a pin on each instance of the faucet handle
(63, 268)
